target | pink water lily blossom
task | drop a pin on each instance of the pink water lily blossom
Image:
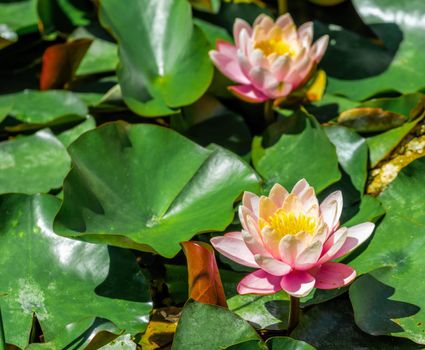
(291, 240)
(270, 59)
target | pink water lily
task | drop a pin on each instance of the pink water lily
(270, 59)
(291, 240)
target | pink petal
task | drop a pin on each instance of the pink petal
(298, 283)
(284, 20)
(334, 275)
(280, 67)
(272, 266)
(319, 48)
(267, 208)
(307, 197)
(261, 78)
(306, 259)
(277, 194)
(226, 48)
(251, 200)
(331, 209)
(259, 282)
(248, 93)
(305, 33)
(333, 244)
(289, 248)
(356, 235)
(253, 239)
(237, 29)
(291, 203)
(229, 66)
(235, 249)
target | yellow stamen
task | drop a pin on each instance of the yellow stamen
(284, 223)
(277, 46)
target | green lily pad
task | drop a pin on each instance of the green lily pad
(296, 148)
(351, 150)
(208, 327)
(156, 188)
(32, 164)
(164, 58)
(206, 5)
(20, 16)
(380, 146)
(69, 136)
(64, 15)
(102, 55)
(262, 311)
(84, 334)
(7, 36)
(410, 106)
(367, 119)
(331, 326)
(400, 67)
(43, 108)
(286, 343)
(59, 280)
(394, 259)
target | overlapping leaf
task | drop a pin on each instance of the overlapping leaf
(147, 187)
(164, 58)
(62, 281)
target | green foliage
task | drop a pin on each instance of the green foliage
(119, 141)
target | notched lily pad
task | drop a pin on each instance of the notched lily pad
(62, 281)
(149, 188)
(368, 119)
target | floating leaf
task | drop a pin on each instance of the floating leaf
(20, 16)
(262, 311)
(301, 149)
(380, 146)
(208, 327)
(32, 164)
(158, 42)
(367, 119)
(156, 189)
(331, 326)
(206, 5)
(59, 280)
(351, 150)
(60, 62)
(395, 257)
(40, 108)
(399, 66)
(204, 279)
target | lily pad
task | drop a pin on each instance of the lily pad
(61, 281)
(164, 58)
(156, 189)
(398, 24)
(367, 119)
(296, 148)
(394, 259)
(331, 326)
(351, 150)
(44, 107)
(32, 164)
(201, 328)
(380, 146)
(262, 311)
(20, 16)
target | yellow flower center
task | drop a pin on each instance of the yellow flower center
(284, 223)
(277, 46)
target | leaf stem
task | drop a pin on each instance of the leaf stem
(294, 313)
(2, 335)
(282, 7)
(268, 112)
